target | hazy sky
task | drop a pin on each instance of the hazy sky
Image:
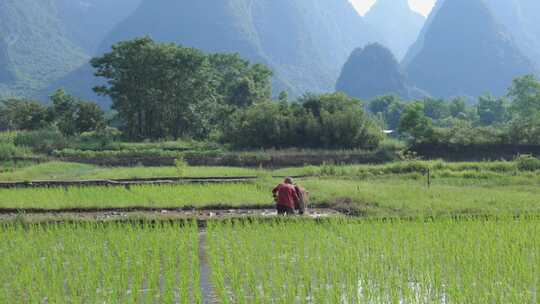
(421, 6)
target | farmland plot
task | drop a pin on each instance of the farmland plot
(369, 261)
(99, 263)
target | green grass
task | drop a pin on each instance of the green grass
(439, 169)
(377, 197)
(99, 263)
(76, 171)
(136, 196)
(351, 261)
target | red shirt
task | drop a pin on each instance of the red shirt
(286, 195)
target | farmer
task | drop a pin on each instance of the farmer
(286, 197)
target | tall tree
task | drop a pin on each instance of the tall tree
(20, 114)
(127, 72)
(158, 90)
(492, 110)
(525, 96)
(415, 124)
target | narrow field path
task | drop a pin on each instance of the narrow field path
(134, 181)
(207, 289)
(39, 215)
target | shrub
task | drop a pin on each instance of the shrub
(42, 141)
(330, 121)
(100, 139)
(528, 163)
(9, 151)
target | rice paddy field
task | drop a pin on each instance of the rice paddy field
(472, 235)
(99, 263)
(343, 261)
(391, 196)
(452, 260)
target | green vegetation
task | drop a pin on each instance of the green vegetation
(74, 171)
(442, 261)
(390, 195)
(8, 149)
(183, 196)
(474, 170)
(179, 91)
(225, 101)
(331, 121)
(491, 120)
(69, 114)
(98, 263)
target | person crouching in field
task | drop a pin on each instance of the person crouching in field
(286, 197)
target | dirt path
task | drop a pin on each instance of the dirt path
(157, 214)
(208, 295)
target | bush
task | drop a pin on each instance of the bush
(42, 141)
(9, 151)
(100, 139)
(330, 121)
(528, 163)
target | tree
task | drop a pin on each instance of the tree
(389, 107)
(157, 89)
(283, 96)
(492, 110)
(436, 109)
(238, 82)
(166, 90)
(20, 114)
(314, 121)
(415, 124)
(64, 109)
(524, 126)
(89, 117)
(458, 107)
(525, 130)
(74, 116)
(525, 96)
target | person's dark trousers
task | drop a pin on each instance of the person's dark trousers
(284, 210)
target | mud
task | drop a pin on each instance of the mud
(207, 289)
(158, 214)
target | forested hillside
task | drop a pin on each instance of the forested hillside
(304, 42)
(417, 46)
(398, 24)
(521, 19)
(464, 48)
(370, 72)
(6, 75)
(87, 22)
(34, 48)
(464, 51)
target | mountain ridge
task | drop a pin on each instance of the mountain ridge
(475, 55)
(370, 72)
(35, 49)
(397, 23)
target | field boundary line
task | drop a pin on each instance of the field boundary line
(135, 181)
